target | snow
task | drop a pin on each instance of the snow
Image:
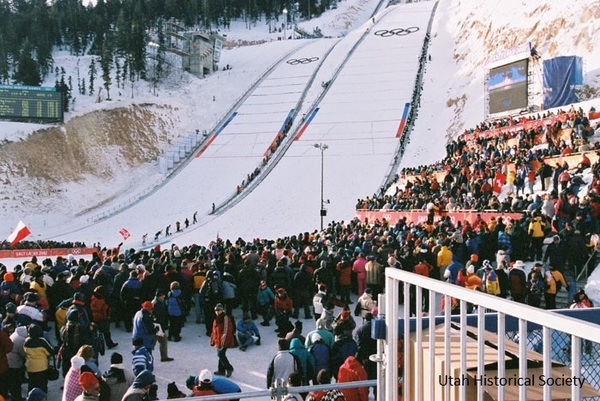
(358, 116)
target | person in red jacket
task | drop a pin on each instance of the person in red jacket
(352, 371)
(345, 280)
(284, 307)
(221, 337)
(6, 346)
(100, 315)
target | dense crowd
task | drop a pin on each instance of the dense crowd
(151, 293)
(473, 162)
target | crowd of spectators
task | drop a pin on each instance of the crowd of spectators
(475, 160)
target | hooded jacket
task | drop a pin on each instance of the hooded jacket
(16, 357)
(351, 371)
(305, 359)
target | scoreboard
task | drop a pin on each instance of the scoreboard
(30, 103)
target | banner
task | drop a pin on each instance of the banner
(562, 75)
(420, 216)
(41, 253)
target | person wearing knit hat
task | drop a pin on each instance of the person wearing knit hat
(142, 358)
(36, 394)
(222, 338)
(140, 387)
(72, 388)
(118, 377)
(90, 385)
(143, 325)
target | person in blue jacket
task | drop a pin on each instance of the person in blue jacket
(175, 311)
(247, 332)
(221, 385)
(142, 358)
(143, 326)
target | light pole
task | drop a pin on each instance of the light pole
(322, 147)
(285, 12)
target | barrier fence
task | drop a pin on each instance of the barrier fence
(472, 350)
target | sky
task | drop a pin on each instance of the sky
(359, 113)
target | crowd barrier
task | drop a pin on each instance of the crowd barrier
(45, 253)
(420, 216)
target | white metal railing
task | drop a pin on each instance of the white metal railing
(475, 345)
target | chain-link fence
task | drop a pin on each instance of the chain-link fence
(561, 352)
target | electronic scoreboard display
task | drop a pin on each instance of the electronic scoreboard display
(30, 103)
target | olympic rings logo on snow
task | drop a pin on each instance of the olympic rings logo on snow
(386, 33)
(296, 61)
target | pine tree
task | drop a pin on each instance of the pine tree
(27, 71)
(105, 64)
(93, 72)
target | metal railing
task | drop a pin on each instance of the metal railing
(280, 390)
(469, 346)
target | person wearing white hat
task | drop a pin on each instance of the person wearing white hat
(517, 281)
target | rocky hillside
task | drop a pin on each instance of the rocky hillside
(90, 153)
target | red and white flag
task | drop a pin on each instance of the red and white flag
(21, 232)
(124, 233)
(499, 182)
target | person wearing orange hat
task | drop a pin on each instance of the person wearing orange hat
(143, 325)
(91, 387)
(9, 291)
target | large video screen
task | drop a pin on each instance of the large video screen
(507, 87)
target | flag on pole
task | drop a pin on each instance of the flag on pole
(124, 233)
(20, 233)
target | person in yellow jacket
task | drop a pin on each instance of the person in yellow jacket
(554, 282)
(37, 350)
(490, 278)
(444, 258)
(536, 234)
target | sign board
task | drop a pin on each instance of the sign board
(30, 103)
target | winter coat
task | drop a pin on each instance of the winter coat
(174, 303)
(282, 364)
(321, 353)
(143, 327)
(491, 283)
(99, 308)
(305, 359)
(325, 334)
(72, 388)
(552, 278)
(374, 272)
(37, 349)
(6, 346)
(345, 274)
(119, 379)
(160, 313)
(366, 303)
(283, 304)
(351, 371)
(358, 267)
(222, 332)
(229, 286)
(141, 360)
(16, 357)
(265, 296)
(343, 348)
